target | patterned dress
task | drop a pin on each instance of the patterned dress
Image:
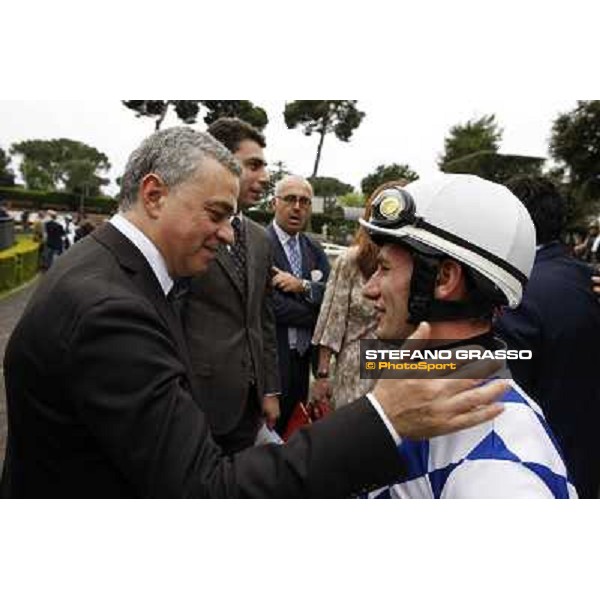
(346, 317)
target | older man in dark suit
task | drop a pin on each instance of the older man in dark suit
(228, 315)
(101, 395)
(300, 275)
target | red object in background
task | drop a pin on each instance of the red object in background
(318, 409)
(305, 415)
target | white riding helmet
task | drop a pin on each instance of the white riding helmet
(479, 223)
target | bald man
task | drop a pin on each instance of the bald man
(299, 277)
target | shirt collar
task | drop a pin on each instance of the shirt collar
(147, 248)
(283, 236)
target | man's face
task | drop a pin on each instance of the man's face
(389, 288)
(254, 173)
(292, 206)
(194, 219)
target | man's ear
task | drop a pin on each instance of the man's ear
(153, 191)
(450, 284)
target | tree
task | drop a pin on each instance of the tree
(385, 173)
(7, 177)
(340, 117)
(242, 109)
(496, 167)
(479, 135)
(352, 200)
(187, 110)
(575, 145)
(61, 164)
(329, 187)
(275, 175)
(81, 178)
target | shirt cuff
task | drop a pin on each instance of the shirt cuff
(309, 293)
(388, 424)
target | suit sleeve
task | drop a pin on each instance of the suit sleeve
(301, 310)
(133, 394)
(294, 310)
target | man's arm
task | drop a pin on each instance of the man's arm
(133, 395)
(292, 310)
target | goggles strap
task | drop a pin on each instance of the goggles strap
(422, 305)
(422, 286)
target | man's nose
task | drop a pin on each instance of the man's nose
(263, 176)
(371, 289)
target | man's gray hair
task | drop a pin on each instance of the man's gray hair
(174, 155)
(282, 183)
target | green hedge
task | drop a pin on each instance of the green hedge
(37, 200)
(19, 263)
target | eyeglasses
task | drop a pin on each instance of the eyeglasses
(303, 201)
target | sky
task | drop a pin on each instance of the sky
(403, 129)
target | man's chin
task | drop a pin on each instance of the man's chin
(380, 334)
(202, 263)
(249, 202)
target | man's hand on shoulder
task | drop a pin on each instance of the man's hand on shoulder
(428, 407)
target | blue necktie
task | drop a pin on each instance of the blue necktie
(303, 336)
(295, 257)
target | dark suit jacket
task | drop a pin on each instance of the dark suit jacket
(55, 234)
(559, 320)
(232, 340)
(101, 400)
(297, 310)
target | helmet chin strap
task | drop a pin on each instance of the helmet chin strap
(422, 305)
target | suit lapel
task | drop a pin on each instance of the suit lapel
(224, 259)
(307, 257)
(279, 253)
(251, 259)
(142, 276)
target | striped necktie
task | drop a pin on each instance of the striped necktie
(303, 335)
(238, 250)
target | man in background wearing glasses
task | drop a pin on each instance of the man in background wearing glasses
(300, 273)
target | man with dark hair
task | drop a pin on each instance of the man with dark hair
(228, 315)
(559, 321)
(232, 132)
